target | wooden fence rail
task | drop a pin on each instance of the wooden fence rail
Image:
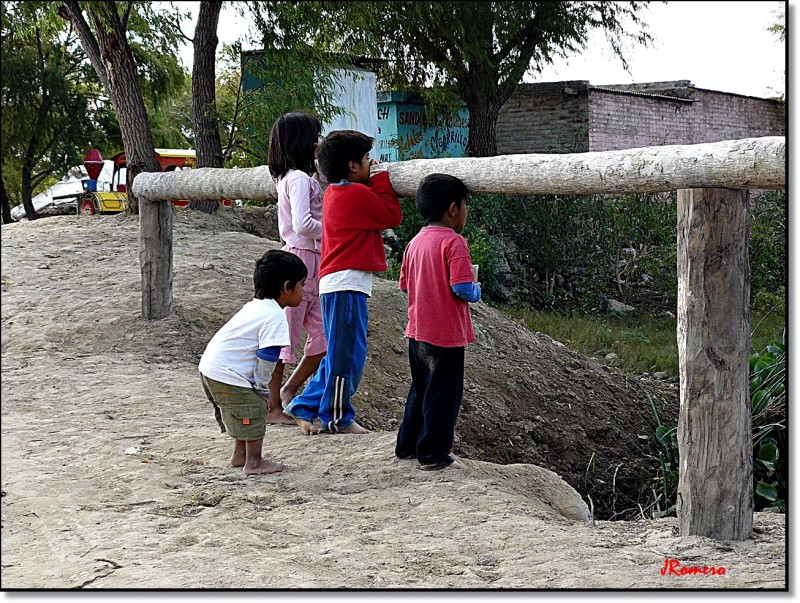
(715, 489)
(750, 163)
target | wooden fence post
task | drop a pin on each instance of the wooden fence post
(155, 258)
(715, 485)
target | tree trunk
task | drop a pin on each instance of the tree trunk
(132, 115)
(112, 59)
(715, 484)
(483, 113)
(204, 99)
(27, 194)
(748, 163)
(6, 203)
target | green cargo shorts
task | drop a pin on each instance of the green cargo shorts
(239, 411)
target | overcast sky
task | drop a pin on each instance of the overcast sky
(716, 45)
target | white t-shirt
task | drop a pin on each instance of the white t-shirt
(346, 280)
(230, 356)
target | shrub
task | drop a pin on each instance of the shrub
(576, 252)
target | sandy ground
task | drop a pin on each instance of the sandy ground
(114, 474)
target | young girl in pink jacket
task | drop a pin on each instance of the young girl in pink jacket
(292, 143)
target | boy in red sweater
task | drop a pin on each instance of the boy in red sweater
(355, 209)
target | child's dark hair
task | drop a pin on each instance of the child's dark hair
(273, 269)
(292, 142)
(338, 149)
(435, 194)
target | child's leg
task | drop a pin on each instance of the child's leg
(214, 388)
(441, 403)
(255, 463)
(242, 413)
(275, 414)
(316, 343)
(307, 367)
(346, 313)
(239, 455)
(408, 434)
(305, 407)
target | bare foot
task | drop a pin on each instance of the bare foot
(307, 427)
(454, 465)
(354, 428)
(275, 416)
(265, 466)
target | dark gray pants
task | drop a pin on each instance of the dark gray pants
(437, 386)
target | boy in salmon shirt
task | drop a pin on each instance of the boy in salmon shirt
(355, 209)
(438, 276)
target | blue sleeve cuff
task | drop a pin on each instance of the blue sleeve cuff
(470, 292)
(270, 354)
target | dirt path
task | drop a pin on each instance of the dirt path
(114, 474)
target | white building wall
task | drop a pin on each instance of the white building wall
(357, 94)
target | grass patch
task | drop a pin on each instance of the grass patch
(643, 343)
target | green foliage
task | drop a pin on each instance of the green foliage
(153, 34)
(779, 27)
(482, 246)
(768, 242)
(663, 503)
(45, 86)
(479, 51)
(54, 107)
(574, 253)
(298, 67)
(770, 445)
(278, 81)
(643, 343)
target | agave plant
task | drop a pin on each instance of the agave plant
(768, 403)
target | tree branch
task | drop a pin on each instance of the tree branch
(87, 38)
(180, 30)
(125, 16)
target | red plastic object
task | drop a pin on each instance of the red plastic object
(93, 162)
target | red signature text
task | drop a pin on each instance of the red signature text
(673, 567)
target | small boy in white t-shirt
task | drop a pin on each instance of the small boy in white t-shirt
(237, 365)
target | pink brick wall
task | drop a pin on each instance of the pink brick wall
(622, 121)
(545, 118)
(572, 116)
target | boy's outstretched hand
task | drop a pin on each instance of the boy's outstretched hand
(376, 166)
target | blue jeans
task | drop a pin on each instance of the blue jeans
(327, 396)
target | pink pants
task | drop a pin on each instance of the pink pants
(308, 315)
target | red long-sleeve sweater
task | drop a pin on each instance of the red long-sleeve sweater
(353, 216)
